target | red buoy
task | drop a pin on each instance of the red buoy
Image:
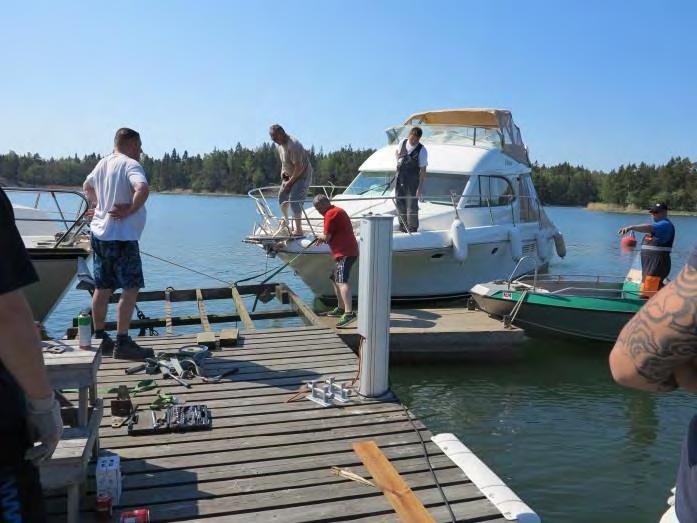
(628, 242)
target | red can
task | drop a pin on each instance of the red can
(104, 507)
(142, 515)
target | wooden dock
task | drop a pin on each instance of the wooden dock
(443, 333)
(268, 459)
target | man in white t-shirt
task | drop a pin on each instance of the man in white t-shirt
(412, 159)
(117, 190)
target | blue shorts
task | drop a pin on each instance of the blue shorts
(117, 264)
(342, 269)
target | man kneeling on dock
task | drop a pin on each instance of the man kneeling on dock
(338, 234)
(117, 189)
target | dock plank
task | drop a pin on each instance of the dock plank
(267, 459)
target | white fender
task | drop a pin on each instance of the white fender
(458, 235)
(543, 246)
(516, 243)
(559, 244)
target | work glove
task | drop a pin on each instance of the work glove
(45, 426)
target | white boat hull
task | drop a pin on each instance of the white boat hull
(422, 274)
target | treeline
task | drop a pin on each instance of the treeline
(239, 169)
(630, 185)
(233, 171)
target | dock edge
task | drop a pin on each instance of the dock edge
(493, 487)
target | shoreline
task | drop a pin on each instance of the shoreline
(629, 209)
(191, 192)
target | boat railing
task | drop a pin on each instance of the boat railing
(74, 225)
(535, 260)
(597, 279)
(576, 290)
(271, 223)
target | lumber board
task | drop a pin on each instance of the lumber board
(405, 503)
(241, 309)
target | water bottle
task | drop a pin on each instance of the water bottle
(84, 330)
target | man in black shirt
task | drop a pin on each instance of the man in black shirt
(29, 411)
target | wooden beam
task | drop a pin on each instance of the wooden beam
(403, 500)
(168, 312)
(275, 314)
(301, 307)
(242, 310)
(202, 311)
(215, 293)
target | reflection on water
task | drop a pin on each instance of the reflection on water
(575, 446)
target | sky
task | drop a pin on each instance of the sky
(597, 83)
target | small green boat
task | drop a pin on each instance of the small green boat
(589, 307)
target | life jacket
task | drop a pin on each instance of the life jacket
(655, 262)
(408, 163)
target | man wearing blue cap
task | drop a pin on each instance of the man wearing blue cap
(655, 248)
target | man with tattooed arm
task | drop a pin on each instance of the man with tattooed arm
(657, 351)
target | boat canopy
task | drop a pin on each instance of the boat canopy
(499, 120)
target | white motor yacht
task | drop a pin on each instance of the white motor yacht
(51, 223)
(479, 219)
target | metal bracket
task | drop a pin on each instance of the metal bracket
(326, 392)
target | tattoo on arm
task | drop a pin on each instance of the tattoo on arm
(663, 334)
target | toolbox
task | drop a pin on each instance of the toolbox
(184, 418)
(177, 418)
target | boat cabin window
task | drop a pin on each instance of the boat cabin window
(440, 187)
(371, 183)
(489, 191)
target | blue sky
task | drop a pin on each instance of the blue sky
(595, 83)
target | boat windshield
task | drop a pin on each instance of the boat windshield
(371, 183)
(449, 134)
(437, 187)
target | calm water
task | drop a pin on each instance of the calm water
(573, 445)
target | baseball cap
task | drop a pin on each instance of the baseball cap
(658, 207)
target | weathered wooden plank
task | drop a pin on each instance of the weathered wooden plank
(168, 310)
(280, 417)
(396, 490)
(214, 293)
(242, 309)
(303, 309)
(178, 321)
(318, 503)
(292, 379)
(213, 366)
(256, 442)
(202, 311)
(240, 456)
(254, 431)
(244, 485)
(323, 462)
(279, 489)
(254, 412)
(246, 362)
(479, 510)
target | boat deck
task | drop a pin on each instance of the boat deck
(268, 458)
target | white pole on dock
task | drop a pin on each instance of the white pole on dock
(374, 292)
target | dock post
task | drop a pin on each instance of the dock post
(374, 293)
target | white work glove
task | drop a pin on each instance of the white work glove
(45, 426)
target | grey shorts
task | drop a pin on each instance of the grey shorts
(296, 194)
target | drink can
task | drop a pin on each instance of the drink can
(84, 330)
(104, 507)
(142, 515)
